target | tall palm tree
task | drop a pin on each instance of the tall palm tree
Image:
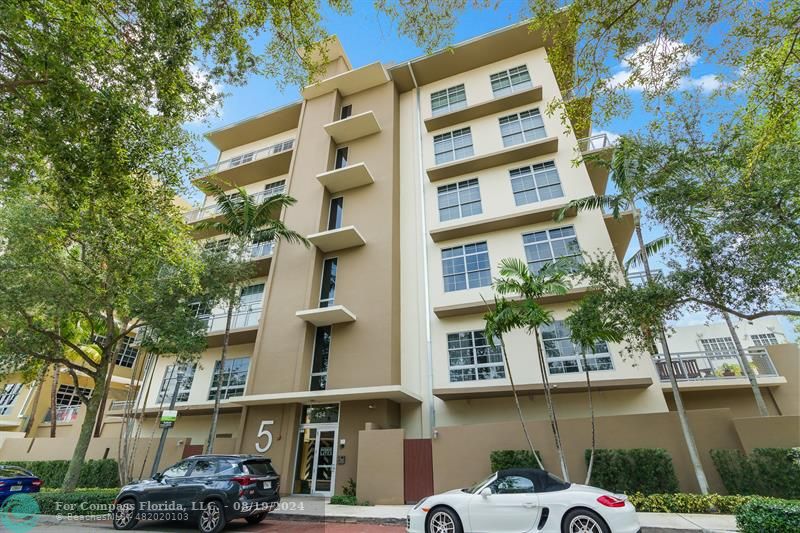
(243, 218)
(523, 311)
(628, 164)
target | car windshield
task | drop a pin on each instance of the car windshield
(474, 488)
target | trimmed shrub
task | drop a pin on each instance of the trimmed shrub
(687, 503)
(79, 503)
(94, 473)
(768, 515)
(645, 470)
(765, 472)
(504, 459)
(346, 499)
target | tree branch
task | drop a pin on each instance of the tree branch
(741, 314)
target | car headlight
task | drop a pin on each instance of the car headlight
(419, 503)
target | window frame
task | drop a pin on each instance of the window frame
(517, 119)
(340, 157)
(165, 390)
(451, 103)
(449, 138)
(758, 339)
(576, 257)
(329, 301)
(8, 396)
(337, 223)
(536, 172)
(487, 268)
(314, 354)
(512, 87)
(225, 390)
(346, 111)
(599, 360)
(498, 366)
(714, 346)
(459, 188)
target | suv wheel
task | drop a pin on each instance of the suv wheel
(212, 517)
(124, 516)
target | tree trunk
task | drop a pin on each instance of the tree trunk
(688, 436)
(519, 408)
(112, 363)
(38, 383)
(212, 433)
(591, 416)
(85, 435)
(551, 408)
(53, 391)
(751, 377)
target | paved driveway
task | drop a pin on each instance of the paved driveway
(240, 526)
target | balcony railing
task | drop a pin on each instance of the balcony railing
(121, 405)
(638, 279)
(213, 210)
(705, 366)
(243, 317)
(595, 142)
(64, 414)
(249, 157)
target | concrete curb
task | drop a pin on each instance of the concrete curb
(380, 521)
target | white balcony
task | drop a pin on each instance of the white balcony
(337, 239)
(597, 151)
(701, 369)
(349, 177)
(353, 127)
(244, 325)
(211, 211)
(251, 167)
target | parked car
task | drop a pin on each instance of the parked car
(16, 480)
(524, 499)
(211, 490)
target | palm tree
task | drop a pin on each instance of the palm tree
(524, 311)
(628, 164)
(588, 327)
(243, 218)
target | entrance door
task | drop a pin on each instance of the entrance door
(316, 460)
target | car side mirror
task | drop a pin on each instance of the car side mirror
(158, 476)
(486, 492)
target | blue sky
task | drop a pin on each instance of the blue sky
(368, 36)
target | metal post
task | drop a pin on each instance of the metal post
(172, 401)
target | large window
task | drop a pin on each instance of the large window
(466, 267)
(448, 100)
(127, 354)
(535, 183)
(8, 395)
(319, 364)
(275, 188)
(764, 339)
(542, 247)
(718, 345)
(510, 80)
(452, 145)
(67, 395)
(521, 127)
(564, 357)
(327, 290)
(181, 376)
(234, 378)
(473, 358)
(460, 199)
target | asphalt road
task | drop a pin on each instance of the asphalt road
(239, 526)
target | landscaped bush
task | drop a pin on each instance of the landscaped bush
(79, 503)
(765, 472)
(645, 470)
(687, 503)
(768, 515)
(345, 499)
(504, 459)
(94, 473)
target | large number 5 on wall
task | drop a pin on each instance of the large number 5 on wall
(264, 432)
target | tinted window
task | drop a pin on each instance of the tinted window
(513, 485)
(259, 468)
(178, 470)
(230, 467)
(204, 467)
(13, 471)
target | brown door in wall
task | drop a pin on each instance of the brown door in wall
(191, 449)
(418, 466)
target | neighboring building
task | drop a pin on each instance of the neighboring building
(363, 357)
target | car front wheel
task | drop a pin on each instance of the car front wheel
(443, 520)
(583, 521)
(124, 516)
(212, 517)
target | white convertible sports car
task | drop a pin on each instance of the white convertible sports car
(522, 500)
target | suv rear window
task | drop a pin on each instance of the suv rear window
(259, 468)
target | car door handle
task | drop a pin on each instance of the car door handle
(209, 482)
(529, 505)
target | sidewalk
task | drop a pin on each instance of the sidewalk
(300, 508)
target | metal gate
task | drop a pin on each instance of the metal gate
(418, 469)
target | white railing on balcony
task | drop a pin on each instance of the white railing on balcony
(259, 250)
(249, 157)
(213, 210)
(121, 405)
(703, 366)
(595, 142)
(243, 317)
(638, 279)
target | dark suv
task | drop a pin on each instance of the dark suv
(209, 489)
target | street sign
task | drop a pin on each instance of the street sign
(168, 417)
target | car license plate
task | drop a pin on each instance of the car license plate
(16, 488)
(266, 485)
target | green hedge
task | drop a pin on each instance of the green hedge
(346, 499)
(687, 503)
(503, 459)
(94, 473)
(79, 503)
(768, 515)
(645, 470)
(765, 472)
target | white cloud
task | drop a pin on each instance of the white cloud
(706, 83)
(201, 77)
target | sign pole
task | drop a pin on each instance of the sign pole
(166, 422)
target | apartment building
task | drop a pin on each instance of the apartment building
(363, 357)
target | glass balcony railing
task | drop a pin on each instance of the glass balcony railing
(703, 366)
(595, 142)
(210, 211)
(243, 317)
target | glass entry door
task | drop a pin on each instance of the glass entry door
(316, 460)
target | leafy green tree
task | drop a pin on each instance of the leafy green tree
(523, 310)
(116, 265)
(589, 327)
(244, 219)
